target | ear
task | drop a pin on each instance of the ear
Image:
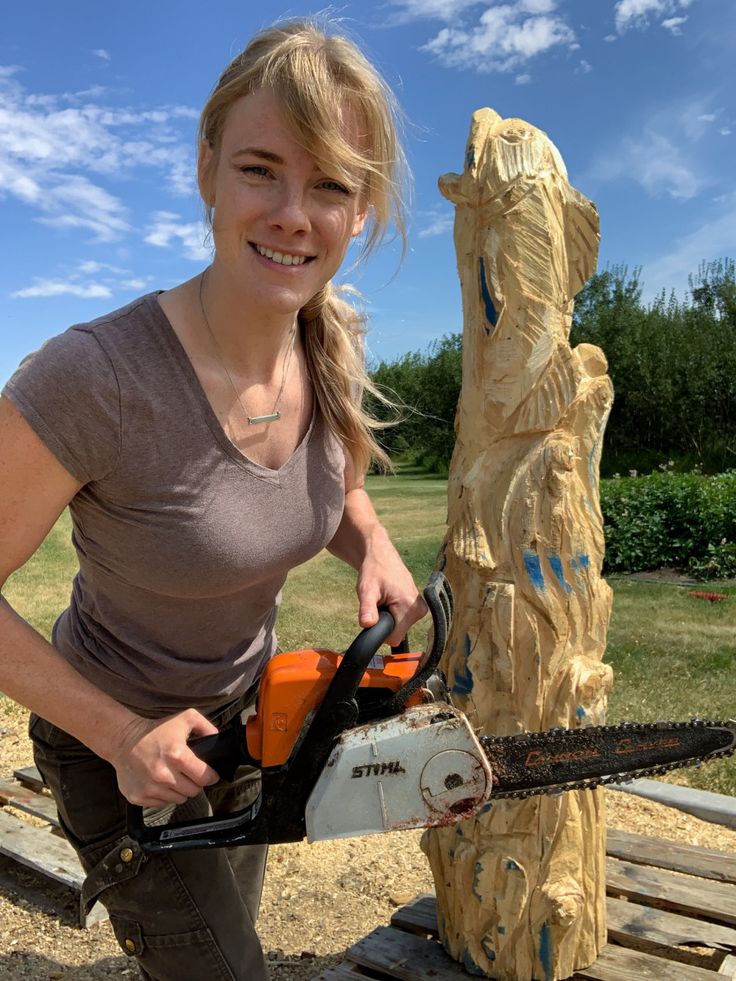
(359, 222)
(206, 164)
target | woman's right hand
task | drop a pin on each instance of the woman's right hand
(155, 766)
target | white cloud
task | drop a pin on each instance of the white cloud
(725, 131)
(440, 223)
(87, 279)
(168, 228)
(90, 266)
(64, 155)
(500, 39)
(504, 38)
(712, 240)
(59, 287)
(524, 79)
(584, 68)
(102, 54)
(638, 13)
(654, 162)
(134, 284)
(446, 10)
(673, 24)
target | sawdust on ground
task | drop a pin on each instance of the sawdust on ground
(318, 899)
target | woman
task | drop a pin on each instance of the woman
(207, 440)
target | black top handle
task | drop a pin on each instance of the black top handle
(338, 709)
(439, 599)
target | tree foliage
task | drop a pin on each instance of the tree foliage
(685, 521)
(672, 362)
(672, 365)
(426, 387)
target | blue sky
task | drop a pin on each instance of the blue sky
(99, 104)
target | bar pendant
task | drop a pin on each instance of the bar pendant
(257, 420)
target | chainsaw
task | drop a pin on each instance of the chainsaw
(359, 743)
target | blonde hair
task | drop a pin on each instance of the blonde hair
(317, 76)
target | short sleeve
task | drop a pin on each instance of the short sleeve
(68, 393)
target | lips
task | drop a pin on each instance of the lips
(282, 258)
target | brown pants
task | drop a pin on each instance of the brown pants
(186, 916)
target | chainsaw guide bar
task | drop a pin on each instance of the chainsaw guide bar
(558, 760)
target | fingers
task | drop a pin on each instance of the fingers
(368, 599)
(405, 618)
(155, 765)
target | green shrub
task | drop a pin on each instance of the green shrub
(684, 521)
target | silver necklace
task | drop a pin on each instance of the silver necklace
(275, 414)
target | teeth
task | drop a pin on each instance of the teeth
(281, 257)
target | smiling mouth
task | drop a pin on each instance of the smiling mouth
(282, 258)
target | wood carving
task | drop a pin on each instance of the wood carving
(521, 887)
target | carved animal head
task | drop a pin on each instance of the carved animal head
(511, 167)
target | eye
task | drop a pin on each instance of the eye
(330, 185)
(254, 170)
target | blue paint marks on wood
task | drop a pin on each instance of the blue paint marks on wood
(488, 950)
(534, 570)
(555, 564)
(477, 869)
(580, 712)
(463, 683)
(501, 930)
(470, 157)
(486, 808)
(471, 967)
(545, 951)
(583, 560)
(491, 315)
(512, 866)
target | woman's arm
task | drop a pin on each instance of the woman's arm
(383, 579)
(153, 764)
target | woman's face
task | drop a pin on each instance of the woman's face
(281, 225)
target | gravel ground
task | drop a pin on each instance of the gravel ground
(318, 899)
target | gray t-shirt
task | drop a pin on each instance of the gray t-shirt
(183, 543)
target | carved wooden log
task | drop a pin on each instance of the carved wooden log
(521, 887)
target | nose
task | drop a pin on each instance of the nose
(290, 212)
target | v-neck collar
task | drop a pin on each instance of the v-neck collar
(171, 338)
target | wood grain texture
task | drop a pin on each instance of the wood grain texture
(668, 890)
(28, 801)
(521, 888)
(707, 863)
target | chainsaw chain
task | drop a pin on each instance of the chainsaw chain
(547, 740)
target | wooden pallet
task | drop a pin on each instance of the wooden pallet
(661, 926)
(40, 846)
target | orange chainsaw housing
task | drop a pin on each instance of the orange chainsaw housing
(294, 685)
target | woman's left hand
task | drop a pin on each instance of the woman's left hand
(383, 579)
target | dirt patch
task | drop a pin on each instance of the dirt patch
(318, 899)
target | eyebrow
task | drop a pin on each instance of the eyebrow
(254, 151)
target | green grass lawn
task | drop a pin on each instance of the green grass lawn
(673, 656)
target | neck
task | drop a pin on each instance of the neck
(250, 344)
